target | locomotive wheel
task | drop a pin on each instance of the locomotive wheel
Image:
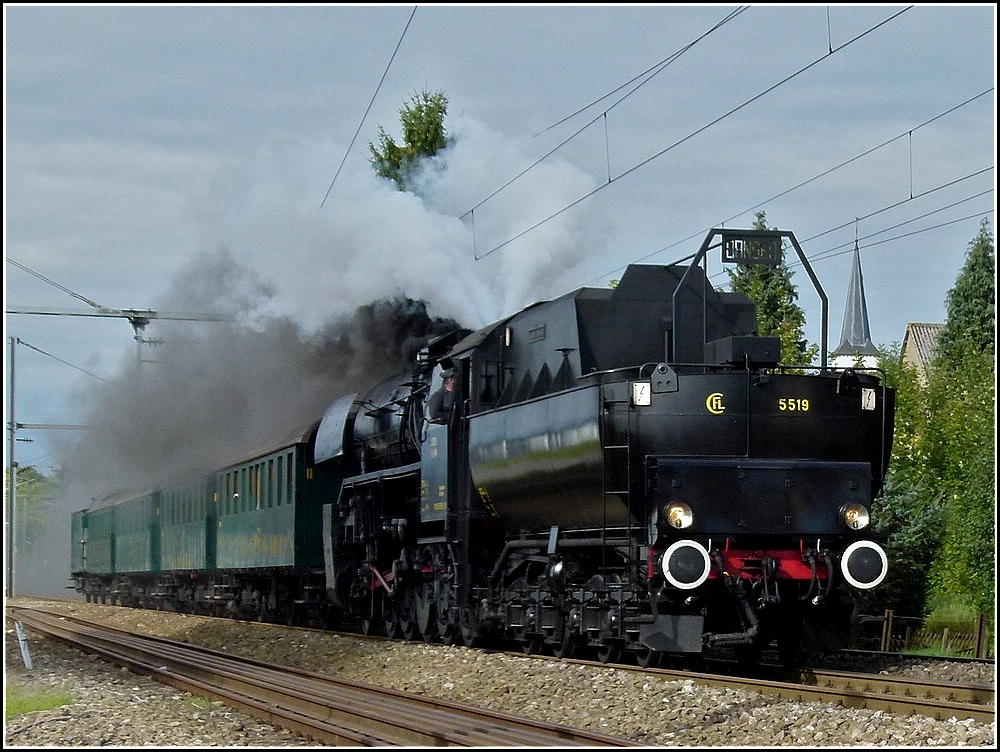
(531, 644)
(426, 616)
(448, 631)
(406, 605)
(470, 628)
(409, 628)
(566, 647)
(390, 620)
(470, 638)
(609, 652)
(647, 657)
(371, 623)
(424, 611)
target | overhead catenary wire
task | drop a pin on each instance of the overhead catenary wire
(139, 318)
(849, 247)
(825, 173)
(841, 249)
(368, 109)
(865, 153)
(836, 250)
(646, 75)
(900, 203)
(64, 362)
(691, 135)
(55, 284)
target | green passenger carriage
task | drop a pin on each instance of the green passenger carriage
(242, 540)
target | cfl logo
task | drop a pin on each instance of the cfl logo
(714, 403)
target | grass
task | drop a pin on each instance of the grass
(19, 700)
(952, 613)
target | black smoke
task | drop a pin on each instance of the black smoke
(201, 394)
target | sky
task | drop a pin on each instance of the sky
(192, 159)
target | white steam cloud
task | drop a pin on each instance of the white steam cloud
(369, 240)
(322, 301)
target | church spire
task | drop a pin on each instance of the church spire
(855, 338)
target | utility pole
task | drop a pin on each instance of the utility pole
(139, 319)
(11, 485)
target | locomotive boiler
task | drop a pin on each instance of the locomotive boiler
(627, 471)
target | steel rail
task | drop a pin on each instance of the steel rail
(897, 694)
(328, 710)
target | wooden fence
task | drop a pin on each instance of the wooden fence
(898, 636)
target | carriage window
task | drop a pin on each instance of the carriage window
(243, 492)
(270, 483)
(279, 485)
(258, 499)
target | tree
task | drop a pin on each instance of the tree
(962, 454)
(939, 505)
(971, 303)
(910, 512)
(963, 418)
(424, 136)
(34, 495)
(775, 294)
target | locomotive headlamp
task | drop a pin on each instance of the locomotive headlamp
(678, 515)
(855, 516)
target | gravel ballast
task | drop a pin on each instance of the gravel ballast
(114, 707)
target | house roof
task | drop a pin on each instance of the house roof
(918, 344)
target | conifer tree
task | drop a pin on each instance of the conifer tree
(971, 303)
(424, 136)
(778, 315)
(962, 434)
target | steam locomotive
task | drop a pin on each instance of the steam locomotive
(624, 470)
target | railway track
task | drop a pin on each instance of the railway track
(896, 693)
(325, 710)
(901, 695)
(937, 699)
(893, 693)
